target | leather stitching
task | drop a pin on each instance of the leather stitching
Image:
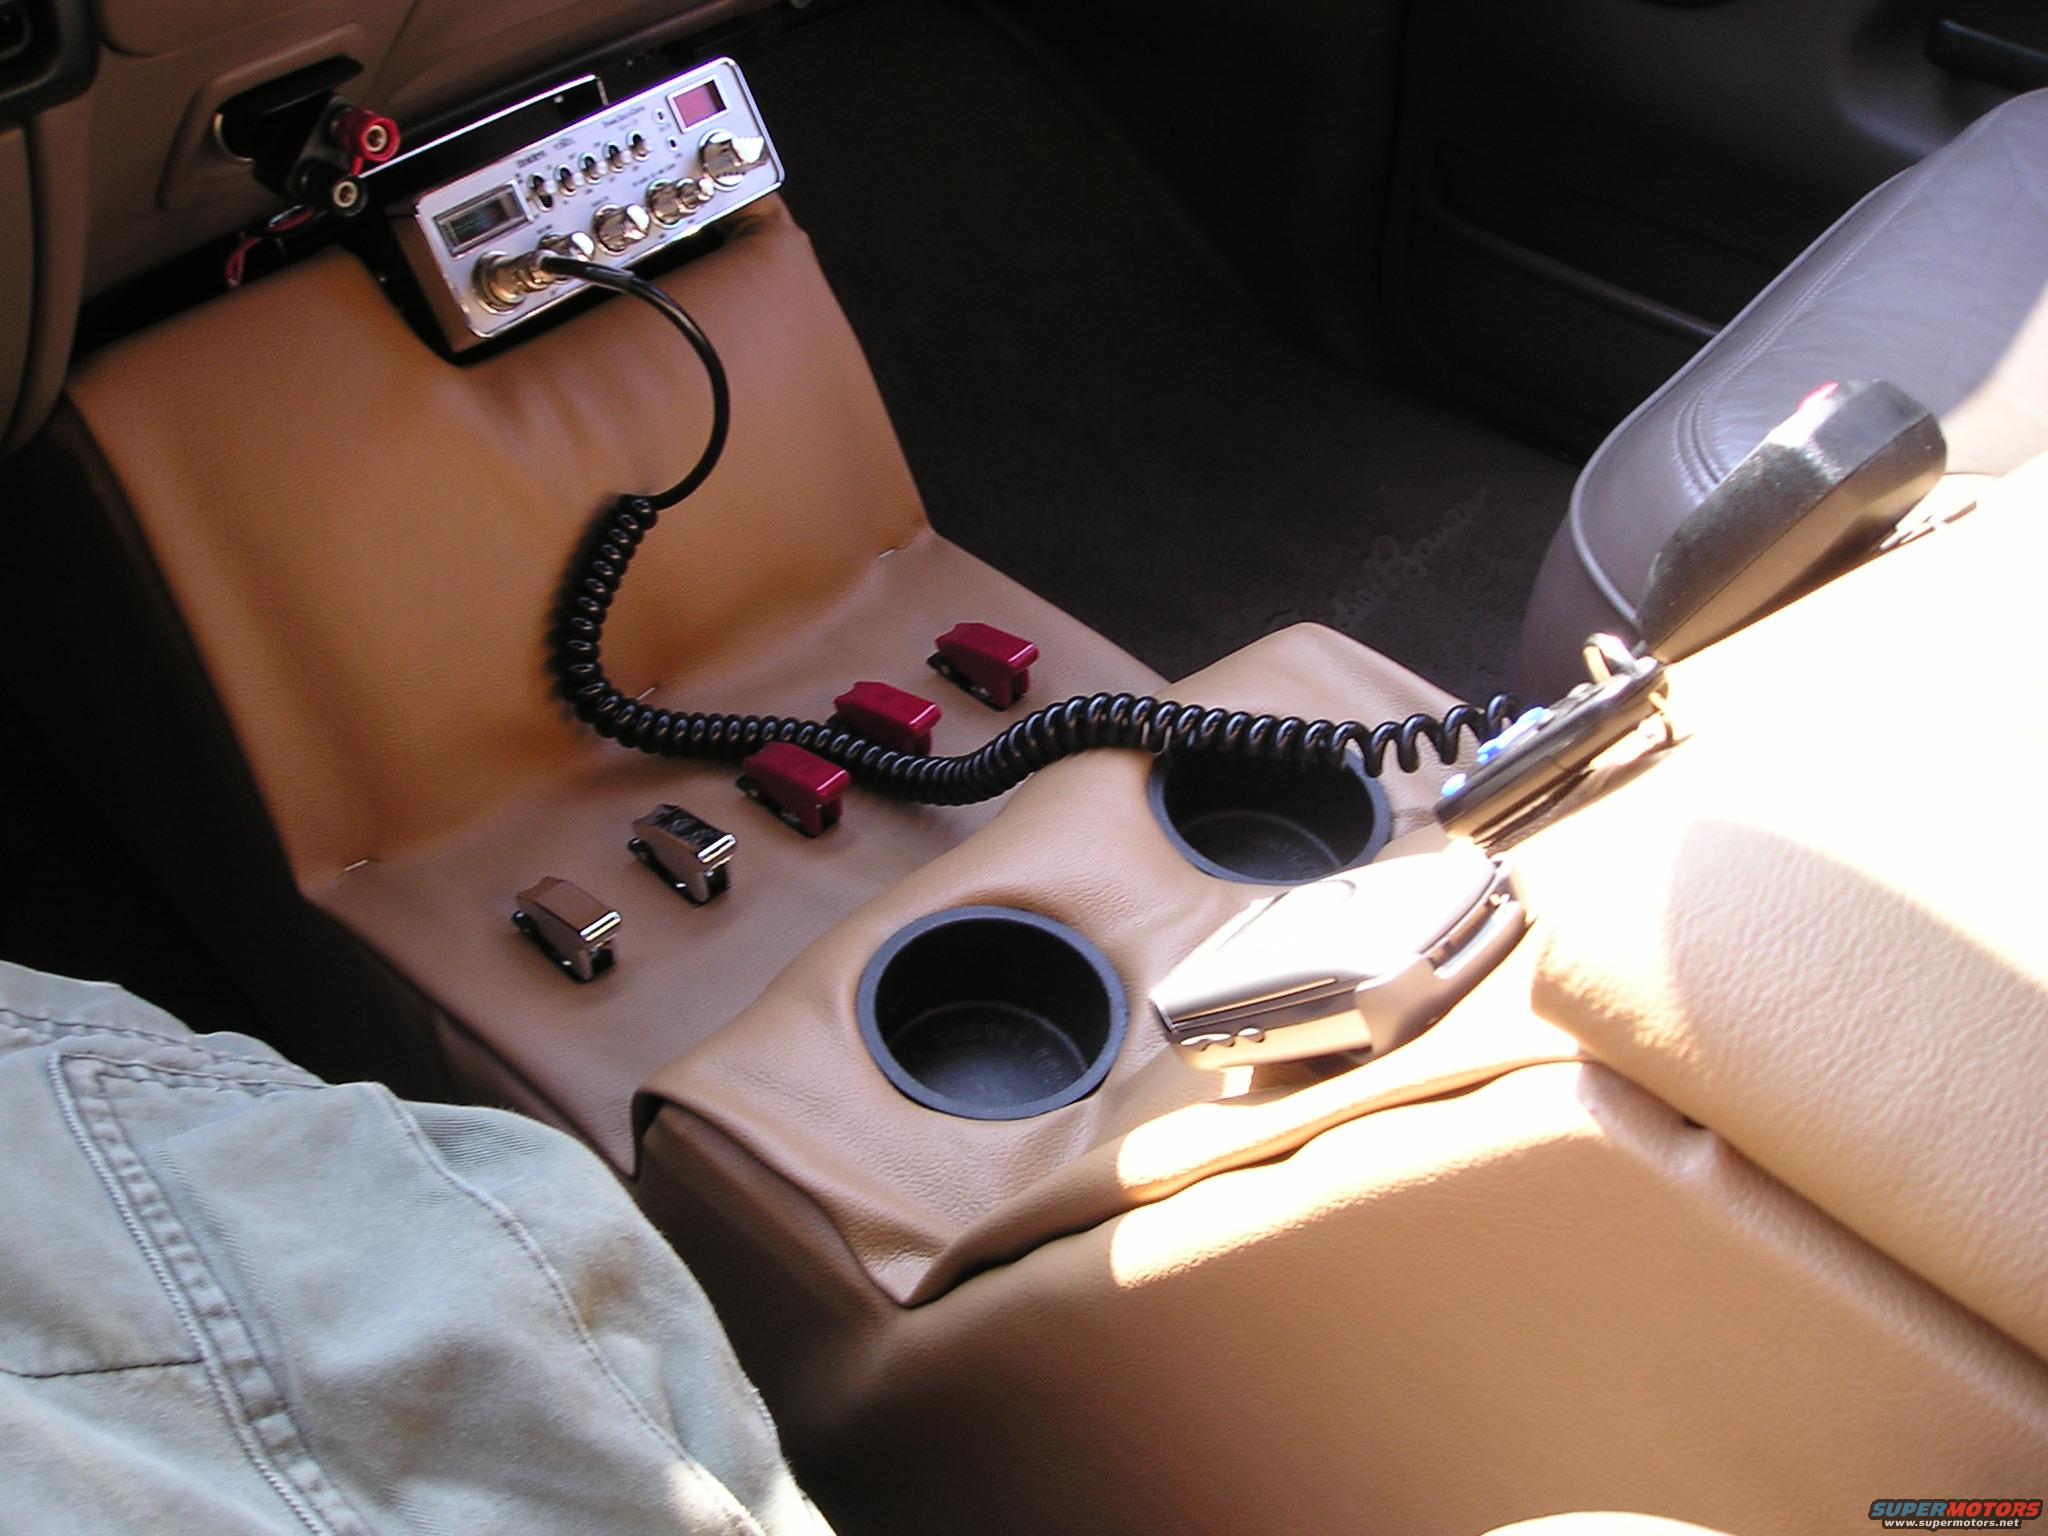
(1703, 472)
(1694, 457)
(1915, 179)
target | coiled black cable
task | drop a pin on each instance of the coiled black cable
(682, 320)
(1046, 735)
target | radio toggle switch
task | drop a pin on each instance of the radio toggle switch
(503, 282)
(670, 201)
(616, 227)
(728, 157)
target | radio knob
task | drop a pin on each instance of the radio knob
(664, 203)
(727, 159)
(616, 227)
(575, 243)
(669, 201)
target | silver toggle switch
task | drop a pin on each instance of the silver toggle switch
(572, 926)
(728, 157)
(685, 850)
(617, 227)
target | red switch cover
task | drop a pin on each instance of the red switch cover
(894, 718)
(799, 786)
(989, 663)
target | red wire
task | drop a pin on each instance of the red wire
(284, 223)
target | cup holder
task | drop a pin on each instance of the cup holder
(991, 1013)
(1268, 823)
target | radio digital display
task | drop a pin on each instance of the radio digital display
(696, 104)
(475, 222)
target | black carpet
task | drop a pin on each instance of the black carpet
(1089, 405)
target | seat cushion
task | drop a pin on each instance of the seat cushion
(1934, 281)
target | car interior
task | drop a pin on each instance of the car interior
(1239, 856)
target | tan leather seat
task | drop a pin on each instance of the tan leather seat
(1935, 281)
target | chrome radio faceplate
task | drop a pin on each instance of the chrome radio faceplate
(636, 177)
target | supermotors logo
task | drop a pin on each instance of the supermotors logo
(1955, 1514)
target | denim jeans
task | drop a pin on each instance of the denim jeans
(234, 1298)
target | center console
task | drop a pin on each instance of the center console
(949, 1095)
(1190, 1299)
(898, 1093)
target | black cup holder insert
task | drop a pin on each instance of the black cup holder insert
(1268, 823)
(991, 1013)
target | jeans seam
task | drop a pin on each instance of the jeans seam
(226, 1346)
(55, 1028)
(741, 1519)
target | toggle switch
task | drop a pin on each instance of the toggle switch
(572, 927)
(992, 664)
(798, 786)
(896, 719)
(685, 850)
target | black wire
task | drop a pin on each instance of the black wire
(1081, 724)
(681, 319)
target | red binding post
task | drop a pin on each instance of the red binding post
(367, 138)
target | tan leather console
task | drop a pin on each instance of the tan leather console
(1817, 926)
(922, 1198)
(1482, 1277)
(1545, 1293)
(366, 539)
(367, 574)
(1719, 1200)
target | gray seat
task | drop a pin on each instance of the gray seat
(1937, 281)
